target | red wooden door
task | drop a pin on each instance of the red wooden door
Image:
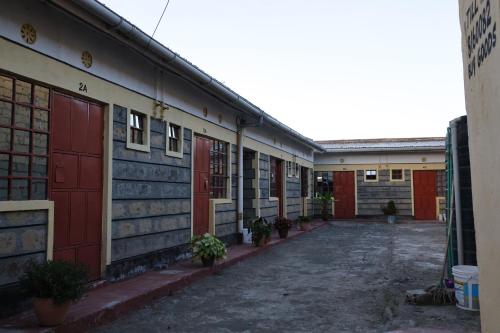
(343, 193)
(76, 181)
(424, 194)
(201, 185)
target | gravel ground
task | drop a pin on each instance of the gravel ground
(344, 277)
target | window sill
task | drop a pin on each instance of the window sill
(221, 201)
(274, 199)
(174, 154)
(371, 180)
(135, 146)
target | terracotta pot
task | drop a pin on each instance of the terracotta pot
(305, 226)
(208, 262)
(49, 313)
(262, 242)
(283, 233)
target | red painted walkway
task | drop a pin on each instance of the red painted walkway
(107, 303)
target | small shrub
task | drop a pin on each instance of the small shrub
(390, 209)
(208, 246)
(260, 229)
(282, 223)
(60, 280)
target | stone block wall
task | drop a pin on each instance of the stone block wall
(268, 209)
(373, 195)
(248, 188)
(23, 237)
(151, 207)
(293, 197)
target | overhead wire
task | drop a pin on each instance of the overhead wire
(159, 21)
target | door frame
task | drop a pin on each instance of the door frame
(213, 202)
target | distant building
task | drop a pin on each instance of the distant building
(364, 175)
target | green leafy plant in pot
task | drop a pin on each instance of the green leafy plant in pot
(54, 285)
(208, 248)
(261, 231)
(304, 223)
(326, 199)
(282, 224)
(390, 211)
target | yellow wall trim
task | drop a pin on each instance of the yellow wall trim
(27, 205)
(353, 167)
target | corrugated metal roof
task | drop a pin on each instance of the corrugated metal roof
(384, 145)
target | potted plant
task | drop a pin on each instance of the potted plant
(325, 198)
(208, 248)
(390, 211)
(54, 285)
(304, 223)
(261, 231)
(282, 224)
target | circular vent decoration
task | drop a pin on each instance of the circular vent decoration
(28, 33)
(86, 59)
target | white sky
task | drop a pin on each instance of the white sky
(330, 69)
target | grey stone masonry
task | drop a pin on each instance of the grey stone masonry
(293, 197)
(268, 209)
(23, 237)
(374, 195)
(248, 187)
(151, 208)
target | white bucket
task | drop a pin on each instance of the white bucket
(247, 236)
(466, 287)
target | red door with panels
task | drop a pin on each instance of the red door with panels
(76, 181)
(424, 194)
(201, 173)
(344, 194)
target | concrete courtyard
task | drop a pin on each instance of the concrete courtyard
(344, 277)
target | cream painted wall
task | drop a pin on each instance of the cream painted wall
(482, 94)
(378, 158)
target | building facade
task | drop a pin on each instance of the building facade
(364, 175)
(115, 151)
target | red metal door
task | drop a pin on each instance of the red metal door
(201, 185)
(343, 193)
(424, 194)
(76, 181)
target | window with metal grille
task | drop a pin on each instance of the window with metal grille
(323, 183)
(396, 174)
(137, 121)
(218, 169)
(304, 184)
(273, 177)
(174, 138)
(440, 183)
(24, 139)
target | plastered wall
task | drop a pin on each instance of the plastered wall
(479, 23)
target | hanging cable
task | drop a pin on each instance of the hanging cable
(151, 38)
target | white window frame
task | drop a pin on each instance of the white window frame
(147, 135)
(168, 152)
(289, 169)
(402, 176)
(371, 180)
(297, 170)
